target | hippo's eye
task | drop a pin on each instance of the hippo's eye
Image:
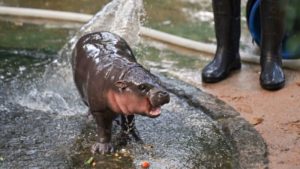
(143, 87)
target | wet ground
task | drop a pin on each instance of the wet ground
(40, 130)
(44, 125)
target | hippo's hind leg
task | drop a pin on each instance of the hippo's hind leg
(104, 125)
(128, 127)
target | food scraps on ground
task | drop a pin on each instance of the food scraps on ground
(89, 161)
(145, 164)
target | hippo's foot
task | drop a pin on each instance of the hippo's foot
(102, 148)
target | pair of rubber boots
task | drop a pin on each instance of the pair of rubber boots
(228, 30)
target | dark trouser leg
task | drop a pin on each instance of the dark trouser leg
(272, 26)
(228, 30)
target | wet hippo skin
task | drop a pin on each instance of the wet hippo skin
(112, 83)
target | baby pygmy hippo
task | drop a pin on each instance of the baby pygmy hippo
(112, 83)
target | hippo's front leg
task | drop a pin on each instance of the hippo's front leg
(104, 125)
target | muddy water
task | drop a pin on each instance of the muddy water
(43, 122)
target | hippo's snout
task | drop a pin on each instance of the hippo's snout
(159, 98)
(163, 97)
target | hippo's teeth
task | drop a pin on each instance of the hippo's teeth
(155, 111)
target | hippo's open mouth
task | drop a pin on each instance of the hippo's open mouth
(156, 100)
(154, 112)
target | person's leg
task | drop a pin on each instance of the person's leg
(228, 30)
(272, 33)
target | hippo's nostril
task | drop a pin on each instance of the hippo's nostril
(162, 94)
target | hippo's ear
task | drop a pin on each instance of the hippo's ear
(121, 84)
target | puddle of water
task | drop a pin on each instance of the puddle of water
(177, 18)
(186, 18)
(32, 37)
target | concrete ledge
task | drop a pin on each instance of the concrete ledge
(250, 150)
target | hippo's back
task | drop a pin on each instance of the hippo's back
(98, 45)
(97, 57)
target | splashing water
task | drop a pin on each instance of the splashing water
(121, 17)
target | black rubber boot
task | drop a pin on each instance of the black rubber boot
(272, 33)
(228, 30)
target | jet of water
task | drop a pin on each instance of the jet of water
(122, 17)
